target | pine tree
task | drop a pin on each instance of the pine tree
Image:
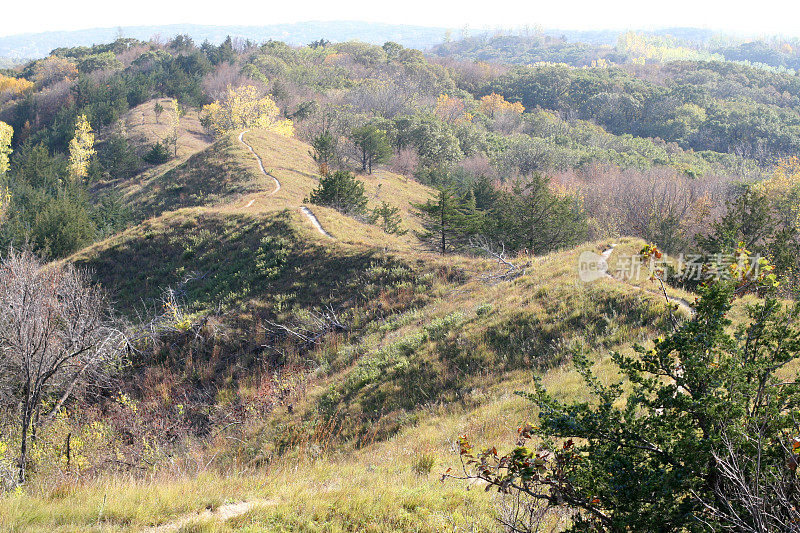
(441, 219)
(324, 153)
(389, 217)
(534, 218)
(341, 191)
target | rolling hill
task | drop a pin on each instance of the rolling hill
(347, 432)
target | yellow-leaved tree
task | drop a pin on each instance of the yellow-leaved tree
(81, 149)
(6, 133)
(243, 107)
(494, 104)
(783, 189)
(13, 87)
(452, 110)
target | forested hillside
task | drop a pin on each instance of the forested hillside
(274, 286)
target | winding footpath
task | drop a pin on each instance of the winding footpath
(305, 210)
(680, 302)
(221, 513)
(314, 221)
(260, 165)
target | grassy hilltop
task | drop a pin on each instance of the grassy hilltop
(347, 268)
(434, 350)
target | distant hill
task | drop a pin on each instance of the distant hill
(15, 49)
(34, 45)
(695, 36)
(8, 62)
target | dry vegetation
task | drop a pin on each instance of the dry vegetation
(351, 433)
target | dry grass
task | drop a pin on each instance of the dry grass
(400, 390)
(142, 128)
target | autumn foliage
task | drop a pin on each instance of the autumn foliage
(494, 104)
(81, 149)
(13, 87)
(243, 107)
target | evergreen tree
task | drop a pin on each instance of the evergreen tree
(388, 217)
(324, 154)
(752, 219)
(534, 218)
(341, 191)
(118, 157)
(441, 218)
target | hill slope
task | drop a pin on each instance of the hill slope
(346, 430)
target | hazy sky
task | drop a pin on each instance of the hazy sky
(762, 17)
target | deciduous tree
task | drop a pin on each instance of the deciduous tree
(56, 332)
(372, 145)
(81, 149)
(6, 133)
(243, 107)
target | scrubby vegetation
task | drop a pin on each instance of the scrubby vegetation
(332, 266)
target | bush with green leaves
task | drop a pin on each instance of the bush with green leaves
(701, 435)
(341, 191)
(372, 145)
(158, 154)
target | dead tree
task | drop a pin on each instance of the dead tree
(509, 271)
(56, 333)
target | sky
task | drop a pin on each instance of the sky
(760, 18)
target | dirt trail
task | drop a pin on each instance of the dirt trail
(314, 221)
(680, 302)
(306, 211)
(221, 513)
(260, 165)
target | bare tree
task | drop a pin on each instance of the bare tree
(56, 332)
(752, 496)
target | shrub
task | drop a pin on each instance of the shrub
(423, 464)
(157, 155)
(341, 191)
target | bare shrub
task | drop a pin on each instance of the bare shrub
(215, 84)
(477, 166)
(522, 513)
(658, 205)
(385, 98)
(51, 99)
(405, 162)
(52, 70)
(56, 332)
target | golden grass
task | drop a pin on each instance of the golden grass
(142, 128)
(338, 486)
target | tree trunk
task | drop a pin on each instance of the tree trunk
(444, 247)
(23, 451)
